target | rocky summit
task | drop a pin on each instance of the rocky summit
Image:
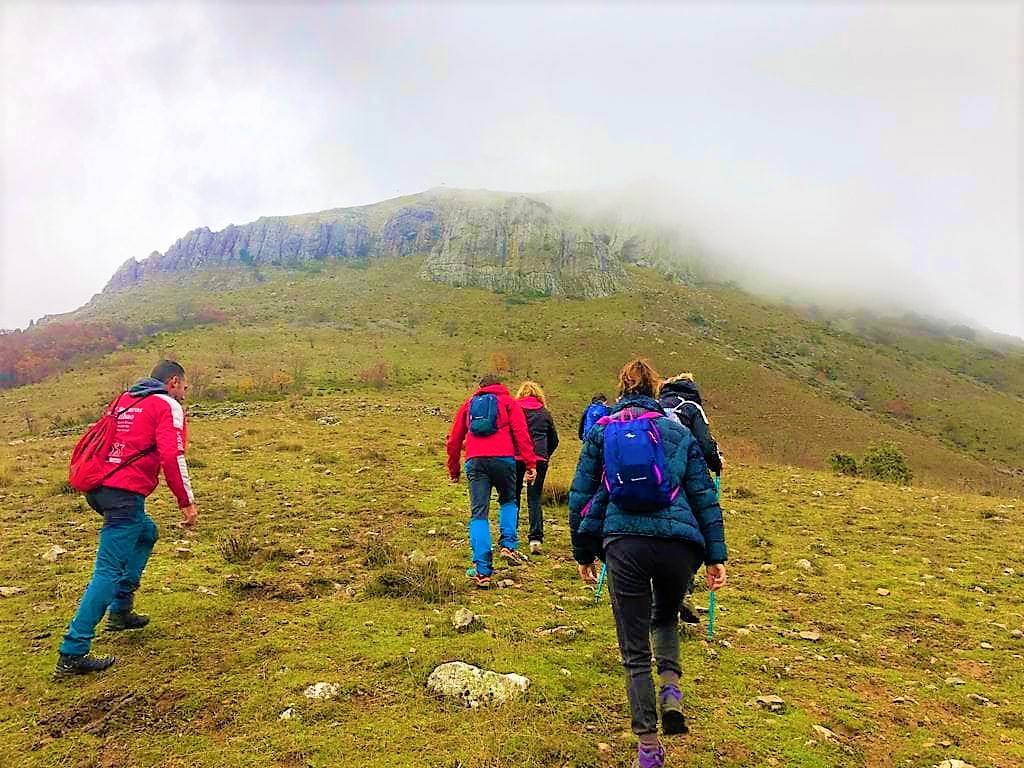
(505, 242)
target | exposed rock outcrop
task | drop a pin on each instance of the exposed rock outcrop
(504, 242)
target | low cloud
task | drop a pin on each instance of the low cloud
(866, 151)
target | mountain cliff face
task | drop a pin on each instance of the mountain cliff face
(499, 241)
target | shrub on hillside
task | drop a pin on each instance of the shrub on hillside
(556, 493)
(377, 375)
(886, 462)
(899, 408)
(6, 473)
(420, 581)
(843, 464)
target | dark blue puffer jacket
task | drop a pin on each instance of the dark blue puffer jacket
(694, 515)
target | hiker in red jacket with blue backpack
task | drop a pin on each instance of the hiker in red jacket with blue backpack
(492, 427)
(643, 501)
(117, 464)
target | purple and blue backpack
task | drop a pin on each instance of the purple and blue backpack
(635, 468)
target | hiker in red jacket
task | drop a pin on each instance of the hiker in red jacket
(150, 436)
(492, 427)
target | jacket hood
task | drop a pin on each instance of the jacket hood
(687, 390)
(637, 401)
(530, 403)
(147, 386)
(494, 389)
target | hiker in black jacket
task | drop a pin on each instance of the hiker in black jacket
(681, 400)
(545, 440)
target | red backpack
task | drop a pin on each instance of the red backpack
(89, 467)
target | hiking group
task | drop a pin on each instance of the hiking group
(642, 501)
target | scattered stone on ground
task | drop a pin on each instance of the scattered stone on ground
(418, 558)
(986, 646)
(772, 703)
(287, 714)
(506, 583)
(559, 631)
(810, 635)
(768, 567)
(475, 687)
(1017, 633)
(10, 591)
(54, 553)
(955, 681)
(824, 732)
(464, 620)
(322, 691)
(954, 763)
(978, 699)
(882, 591)
(804, 564)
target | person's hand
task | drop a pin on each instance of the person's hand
(530, 476)
(721, 460)
(189, 515)
(716, 576)
(588, 572)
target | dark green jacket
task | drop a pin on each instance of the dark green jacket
(694, 515)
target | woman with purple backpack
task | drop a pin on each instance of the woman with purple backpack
(643, 502)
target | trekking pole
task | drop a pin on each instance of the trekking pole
(711, 615)
(600, 583)
(718, 487)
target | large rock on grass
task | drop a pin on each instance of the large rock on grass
(474, 687)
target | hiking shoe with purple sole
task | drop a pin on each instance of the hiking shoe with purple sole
(673, 721)
(650, 757)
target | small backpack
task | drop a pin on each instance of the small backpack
(483, 414)
(89, 467)
(635, 469)
(594, 413)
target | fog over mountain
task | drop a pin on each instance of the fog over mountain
(869, 153)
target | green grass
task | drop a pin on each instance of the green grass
(327, 596)
(313, 492)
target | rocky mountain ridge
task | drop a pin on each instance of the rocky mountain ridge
(501, 241)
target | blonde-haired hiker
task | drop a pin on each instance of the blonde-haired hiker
(643, 501)
(681, 400)
(545, 440)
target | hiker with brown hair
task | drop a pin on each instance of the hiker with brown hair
(545, 440)
(643, 501)
(492, 428)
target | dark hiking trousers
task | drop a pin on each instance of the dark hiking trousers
(642, 569)
(534, 493)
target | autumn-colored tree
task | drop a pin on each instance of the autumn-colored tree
(499, 363)
(377, 375)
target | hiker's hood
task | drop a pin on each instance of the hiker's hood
(638, 402)
(683, 388)
(147, 386)
(531, 403)
(494, 389)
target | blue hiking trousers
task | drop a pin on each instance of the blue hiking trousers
(126, 541)
(484, 475)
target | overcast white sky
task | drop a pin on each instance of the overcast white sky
(870, 148)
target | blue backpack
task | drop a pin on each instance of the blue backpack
(635, 469)
(483, 414)
(594, 413)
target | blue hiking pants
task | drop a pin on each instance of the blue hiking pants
(126, 541)
(484, 475)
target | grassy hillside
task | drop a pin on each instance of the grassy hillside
(926, 669)
(781, 388)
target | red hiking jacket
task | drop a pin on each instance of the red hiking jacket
(156, 420)
(511, 439)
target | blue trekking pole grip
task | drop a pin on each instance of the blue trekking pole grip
(600, 583)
